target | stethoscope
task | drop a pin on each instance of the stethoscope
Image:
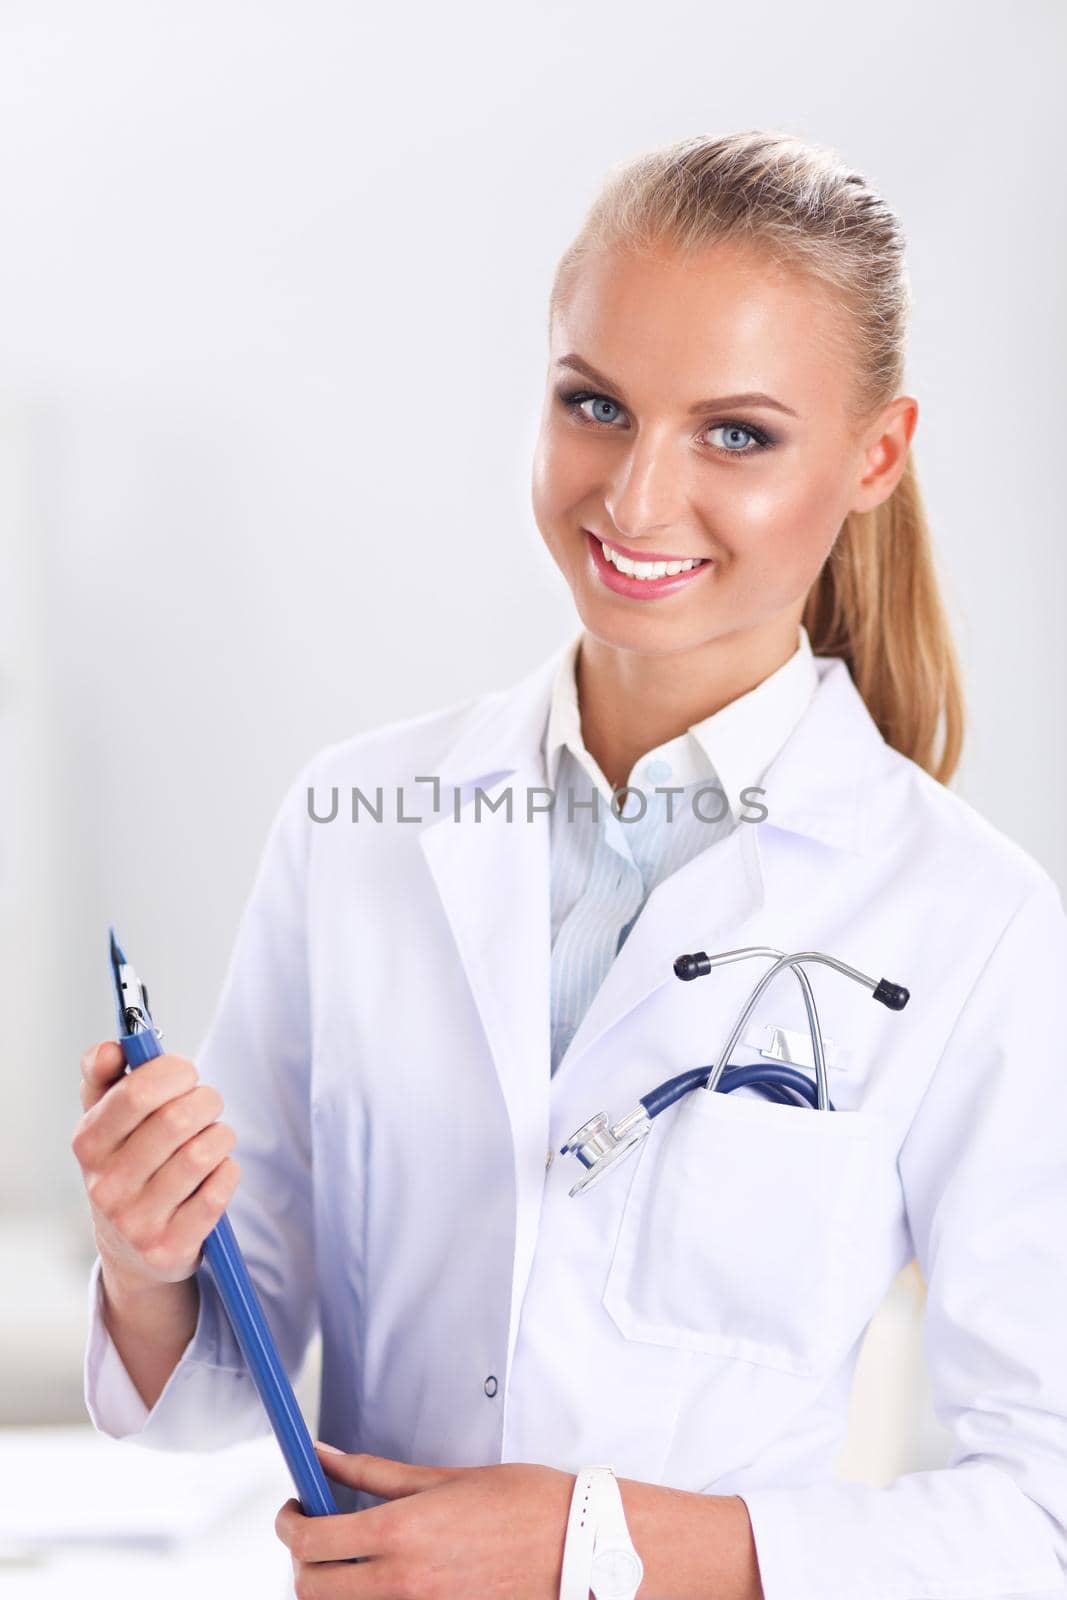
(599, 1144)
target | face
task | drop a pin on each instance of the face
(695, 411)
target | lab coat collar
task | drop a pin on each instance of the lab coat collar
(817, 785)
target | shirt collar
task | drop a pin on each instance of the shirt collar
(733, 747)
(825, 784)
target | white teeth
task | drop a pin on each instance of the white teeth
(647, 569)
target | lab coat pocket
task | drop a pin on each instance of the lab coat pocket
(736, 1229)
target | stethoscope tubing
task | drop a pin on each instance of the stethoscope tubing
(785, 1083)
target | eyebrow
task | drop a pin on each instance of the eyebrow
(751, 398)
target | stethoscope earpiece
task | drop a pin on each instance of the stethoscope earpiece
(695, 966)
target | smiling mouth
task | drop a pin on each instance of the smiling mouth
(650, 568)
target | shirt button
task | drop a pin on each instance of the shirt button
(490, 1386)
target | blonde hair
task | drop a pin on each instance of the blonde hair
(876, 601)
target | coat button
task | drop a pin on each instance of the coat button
(490, 1386)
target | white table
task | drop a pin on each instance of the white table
(236, 1553)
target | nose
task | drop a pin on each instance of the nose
(648, 487)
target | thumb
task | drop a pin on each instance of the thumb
(378, 1475)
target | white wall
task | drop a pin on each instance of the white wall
(272, 346)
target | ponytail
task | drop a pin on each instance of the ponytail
(876, 603)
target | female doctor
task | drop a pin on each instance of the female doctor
(453, 957)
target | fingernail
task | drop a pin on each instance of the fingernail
(89, 1058)
(332, 1448)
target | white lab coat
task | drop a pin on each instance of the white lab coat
(382, 1044)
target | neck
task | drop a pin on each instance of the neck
(632, 702)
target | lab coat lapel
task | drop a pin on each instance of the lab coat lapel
(493, 879)
(492, 876)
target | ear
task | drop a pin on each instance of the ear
(885, 452)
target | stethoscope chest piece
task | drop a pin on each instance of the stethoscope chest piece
(598, 1145)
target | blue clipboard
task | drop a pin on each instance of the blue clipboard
(139, 1039)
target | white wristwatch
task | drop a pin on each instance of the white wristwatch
(598, 1553)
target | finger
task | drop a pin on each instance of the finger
(171, 1153)
(101, 1065)
(364, 1534)
(129, 1108)
(307, 1538)
(386, 1479)
(284, 1522)
(334, 1580)
(196, 1217)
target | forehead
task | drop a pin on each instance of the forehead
(676, 327)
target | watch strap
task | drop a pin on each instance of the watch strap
(610, 1517)
(581, 1535)
(612, 1544)
(596, 1525)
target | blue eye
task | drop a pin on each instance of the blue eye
(598, 400)
(745, 439)
(731, 431)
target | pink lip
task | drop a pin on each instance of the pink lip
(643, 555)
(640, 588)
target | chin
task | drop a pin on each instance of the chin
(626, 628)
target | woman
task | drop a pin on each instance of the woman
(440, 976)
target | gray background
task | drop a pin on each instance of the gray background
(272, 347)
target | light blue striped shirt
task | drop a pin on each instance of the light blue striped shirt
(605, 866)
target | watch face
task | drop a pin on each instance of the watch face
(616, 1574)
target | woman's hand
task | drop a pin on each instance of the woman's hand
(446, 1533)
(156, 1164)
